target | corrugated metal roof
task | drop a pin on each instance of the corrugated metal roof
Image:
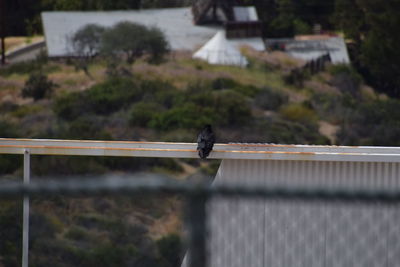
(313, 48)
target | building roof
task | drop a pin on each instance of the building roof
(245, 13)
(313, 48)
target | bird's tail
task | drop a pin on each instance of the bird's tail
(202, 154)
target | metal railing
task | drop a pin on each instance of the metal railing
(198, 195)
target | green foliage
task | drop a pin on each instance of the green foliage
(184, 116)
(11, 232)
(9, 163)
(232, 109)
(103, 99)
(299, 113)
(28, 67)
(85, 127)
(142, 113)
(300, 27)
(134, 41)
(333, 108)
(346, 78)
(112, 95)
(38, 86)
(373, 27)
(270, 99)
(170, 250)
(223, 83)
(76, 233)
(70, 106)
(372, 123)
(86, 41)
(287, 132)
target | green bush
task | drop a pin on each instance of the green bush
(71, 106)
(374, 123)
(38, 86)
(170, 250)
(9, 163)
(186, 116)
(223, 83)
(346, 78)
(142, 113)
(85, 127)
(11, 232)
(286, 132)
(299, 113)
(232, 109)
(270, 99)
(333, 108)
(103, 98)
(28, 67)
(112, 95)
(76, 233)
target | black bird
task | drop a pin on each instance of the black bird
(205, 141)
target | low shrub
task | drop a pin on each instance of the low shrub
(112, 95)
(76, 233)
(28, 67)
(287, 132)
(270, 99)
(232, 109)
(223, 83)
(142, 113)
(38, 86)
(346, 78)
(186, 116)
(170, 248)
(299, 113)
(374, 123)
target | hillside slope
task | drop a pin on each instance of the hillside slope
(166, 102)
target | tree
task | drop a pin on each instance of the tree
(133, 41)
(86, 41)
(373, 28)
(86, 44)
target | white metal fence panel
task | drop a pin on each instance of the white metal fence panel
(253, 233)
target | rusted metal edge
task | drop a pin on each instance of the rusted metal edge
(192, 153)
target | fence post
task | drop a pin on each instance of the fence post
(25, 222)
(196, 219)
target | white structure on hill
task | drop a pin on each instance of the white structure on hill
(176, 23)
(220, 51)
(312, 47)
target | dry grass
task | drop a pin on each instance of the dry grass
(15, 41)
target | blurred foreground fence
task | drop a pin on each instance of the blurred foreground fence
(269, 205)
(367, 219)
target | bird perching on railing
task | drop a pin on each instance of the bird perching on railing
(205, 141)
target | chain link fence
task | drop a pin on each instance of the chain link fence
(258, 226)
